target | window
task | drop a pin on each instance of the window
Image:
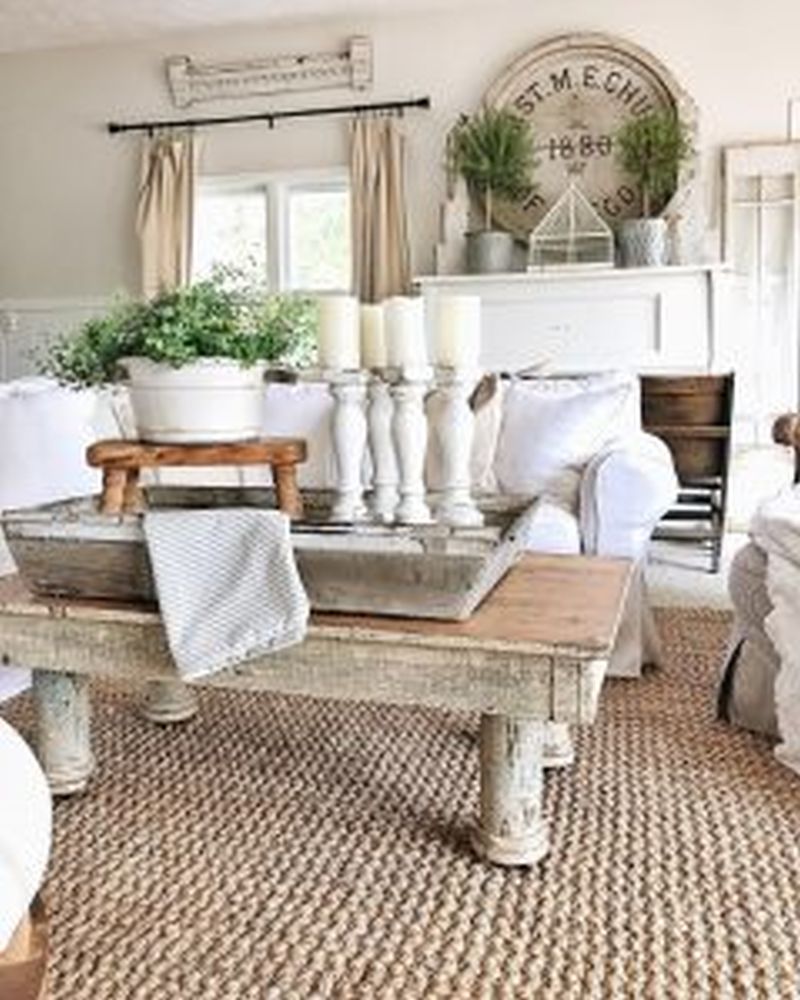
(293, 232)
(231, 229)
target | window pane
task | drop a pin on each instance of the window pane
(319, 239)
(231, 229)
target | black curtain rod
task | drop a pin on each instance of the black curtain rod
(269, 116)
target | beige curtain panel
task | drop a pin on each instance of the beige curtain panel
(381, 259)
(164, 221)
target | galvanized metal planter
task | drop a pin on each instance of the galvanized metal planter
(490, 251)
(644, 243)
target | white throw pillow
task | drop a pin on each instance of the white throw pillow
(488, 419)
(45, 432)
(303, 409)
(552, 426)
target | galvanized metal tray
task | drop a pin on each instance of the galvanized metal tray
(69, 549)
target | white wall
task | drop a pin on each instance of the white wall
(67, 188)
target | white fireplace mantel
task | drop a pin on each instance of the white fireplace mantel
(647, 319)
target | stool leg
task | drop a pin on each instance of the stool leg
(287, 492)
(133, 499)
(114, 481)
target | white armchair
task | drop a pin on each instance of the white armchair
(625, 490)
(577, 443)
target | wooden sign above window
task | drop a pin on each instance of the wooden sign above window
(351, 67)
(576, 91)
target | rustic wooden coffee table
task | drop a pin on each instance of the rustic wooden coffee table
(534, 654)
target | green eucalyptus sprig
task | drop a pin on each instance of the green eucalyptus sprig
(218, 317)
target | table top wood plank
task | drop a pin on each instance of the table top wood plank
(538, 646)
(565, 604)
(544, 601)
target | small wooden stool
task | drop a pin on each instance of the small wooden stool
(122, 460)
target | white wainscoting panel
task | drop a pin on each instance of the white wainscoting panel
(28, 326)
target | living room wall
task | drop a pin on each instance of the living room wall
(67, 189)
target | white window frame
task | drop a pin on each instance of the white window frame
(277, 188)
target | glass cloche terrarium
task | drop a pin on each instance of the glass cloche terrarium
(572, 234)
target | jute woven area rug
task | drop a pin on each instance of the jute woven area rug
(279, 848)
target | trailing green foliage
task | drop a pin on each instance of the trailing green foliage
(219, 317)
(494, 153)
(651, 149)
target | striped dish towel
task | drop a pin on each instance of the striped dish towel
(227, 585)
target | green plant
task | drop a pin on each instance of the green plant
(494, 153)
(651, 149)
(219, 317)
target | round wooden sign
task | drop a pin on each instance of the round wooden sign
(577, 91)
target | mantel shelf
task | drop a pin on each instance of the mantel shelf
(569, 274)
(657, 319)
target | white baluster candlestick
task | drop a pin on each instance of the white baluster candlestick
(385, 493)
(410, 433)
(455, 430)
(349, 433)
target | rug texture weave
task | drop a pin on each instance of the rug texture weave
(284, 849)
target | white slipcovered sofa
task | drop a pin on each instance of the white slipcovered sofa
(574, 442)
(25, 837)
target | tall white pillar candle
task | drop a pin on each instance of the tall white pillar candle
(405, 332)
(457, 331)
(373, 337)
(338, 343)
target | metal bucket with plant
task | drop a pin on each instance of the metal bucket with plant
(651, 149)
(494, 152)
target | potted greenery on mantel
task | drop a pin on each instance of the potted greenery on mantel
(193, 360)
(652, 150)
(493, 151)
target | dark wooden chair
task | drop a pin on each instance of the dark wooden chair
(692, 414)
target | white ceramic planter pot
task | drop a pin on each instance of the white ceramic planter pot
(644, 243)
(213, 399)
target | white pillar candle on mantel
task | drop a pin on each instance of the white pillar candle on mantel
(405, 332)
(338, 342)
(457, 331)
(373, 337)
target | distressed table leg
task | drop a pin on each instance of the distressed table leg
(558, 748)
(62, 730)
(169, 701)
(511, 830)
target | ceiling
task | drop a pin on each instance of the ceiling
(41, 24)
